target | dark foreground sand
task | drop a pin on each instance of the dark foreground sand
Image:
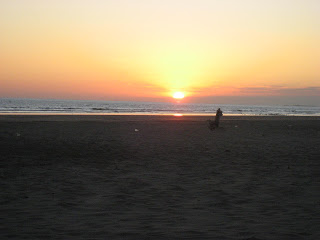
(96, 177)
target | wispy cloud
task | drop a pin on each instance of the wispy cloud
(279, 91)
(257, 91)
(263, 95)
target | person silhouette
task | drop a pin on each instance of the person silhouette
(215, 124)
(218, 116)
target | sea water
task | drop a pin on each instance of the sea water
(43, 106)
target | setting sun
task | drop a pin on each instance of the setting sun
(178, 95)
(206, 51)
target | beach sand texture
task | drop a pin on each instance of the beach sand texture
(159, 177)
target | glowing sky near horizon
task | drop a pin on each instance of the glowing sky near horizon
(144, 49)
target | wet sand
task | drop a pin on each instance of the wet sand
(159, 177)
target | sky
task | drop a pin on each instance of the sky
(214, 51)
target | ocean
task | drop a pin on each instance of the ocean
(45, 106)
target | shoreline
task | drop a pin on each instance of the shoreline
(177, 114)
(145, 117)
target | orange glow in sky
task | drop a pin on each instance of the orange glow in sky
(210, 50)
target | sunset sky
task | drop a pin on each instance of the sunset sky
(230, 51)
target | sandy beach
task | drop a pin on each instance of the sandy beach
(159, 177)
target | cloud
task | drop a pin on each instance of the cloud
(264, 95)
(258, 100)
(279, 91)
